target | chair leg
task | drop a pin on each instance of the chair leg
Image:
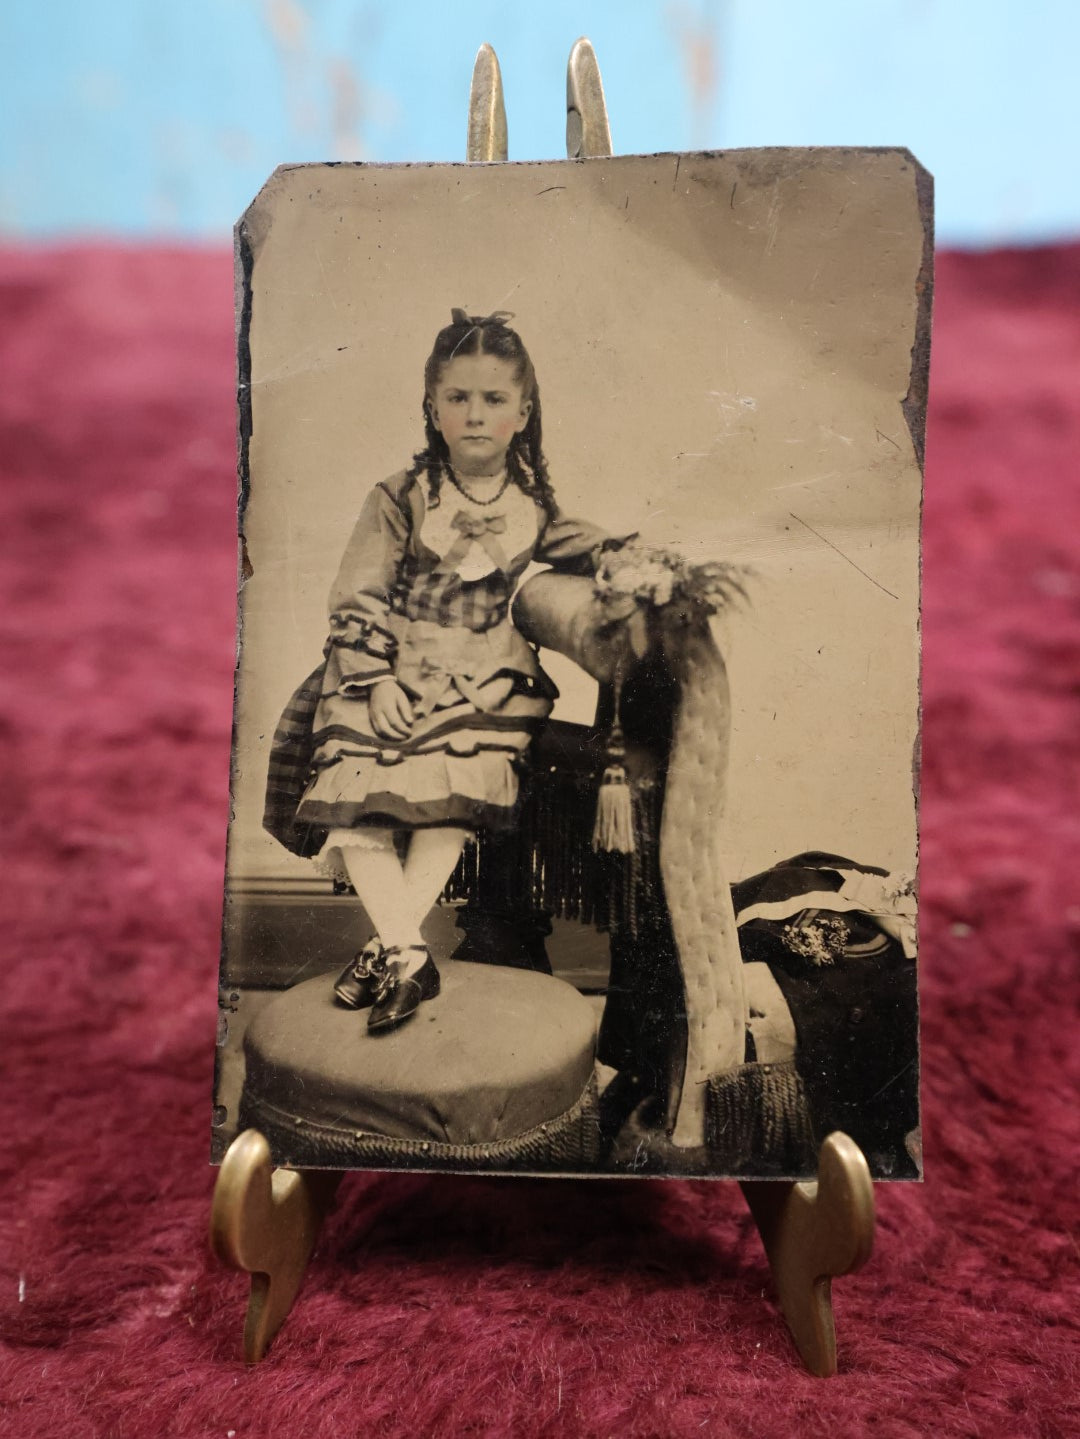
(265, 1222)
(513, 939)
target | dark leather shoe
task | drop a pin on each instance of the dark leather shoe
(400, 996)
(359, 981)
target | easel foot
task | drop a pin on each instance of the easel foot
(264, 1222)
(811, 1233)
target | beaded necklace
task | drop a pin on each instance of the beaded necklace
(472, 498)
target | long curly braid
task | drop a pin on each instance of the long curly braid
(525, 463)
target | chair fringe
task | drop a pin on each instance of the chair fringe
(547, 862)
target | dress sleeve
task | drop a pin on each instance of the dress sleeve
(361, 648)
(574, 547)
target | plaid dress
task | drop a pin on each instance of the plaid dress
(423, 595)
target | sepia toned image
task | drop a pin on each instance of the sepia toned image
(577, 710)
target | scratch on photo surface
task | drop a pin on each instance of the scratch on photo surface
(723, 401)
(813, 480)
(825, 541)
(772, 220)
(828, 430)
(295, 364)
(503, 298)
(326, 279)
(890, 1082)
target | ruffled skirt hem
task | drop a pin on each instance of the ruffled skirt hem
(477, 791)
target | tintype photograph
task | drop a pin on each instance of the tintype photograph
(574, 788)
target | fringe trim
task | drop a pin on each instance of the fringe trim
(547, 862)
(757, 1121)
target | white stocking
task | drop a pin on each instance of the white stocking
(379, 880)
(399, 897)
(433, 853)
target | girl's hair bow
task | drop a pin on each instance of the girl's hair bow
(497, 317)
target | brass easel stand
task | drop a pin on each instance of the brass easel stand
(264, 1222)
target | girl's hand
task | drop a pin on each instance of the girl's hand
(391, 712)
(495, 691)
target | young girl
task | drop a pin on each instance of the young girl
(429, 694)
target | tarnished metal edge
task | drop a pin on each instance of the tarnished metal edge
(915, 406)
(915, 401)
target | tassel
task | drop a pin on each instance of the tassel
(613, 831)
(614, 827)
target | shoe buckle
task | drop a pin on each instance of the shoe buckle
(366, 968)
(387, 985)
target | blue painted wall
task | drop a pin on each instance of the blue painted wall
(147, 118)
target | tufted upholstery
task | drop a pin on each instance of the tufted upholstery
(677, 967)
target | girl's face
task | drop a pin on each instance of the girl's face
(478, 407)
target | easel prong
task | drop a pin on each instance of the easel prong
(812, 1233)
(487, 139)
(265, 1222)
(588, 133)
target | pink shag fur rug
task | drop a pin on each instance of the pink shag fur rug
(447, 1306)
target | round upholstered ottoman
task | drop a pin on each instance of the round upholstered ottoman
(496, 1073)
